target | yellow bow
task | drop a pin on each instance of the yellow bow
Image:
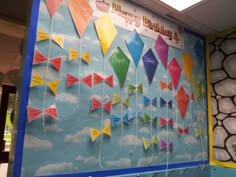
(199, 132)
(148, 142)
(73, 54)
(57, 38)
(95, 133)
(117, 99)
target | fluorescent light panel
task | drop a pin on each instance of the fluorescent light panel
(180, 5)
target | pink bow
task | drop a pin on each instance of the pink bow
(163, 122)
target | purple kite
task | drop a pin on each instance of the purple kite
(162, 48)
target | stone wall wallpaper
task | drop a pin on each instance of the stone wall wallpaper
(223, 96)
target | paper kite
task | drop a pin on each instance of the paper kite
(95, 133)
(73, 54)
(132, 114)
(164, 145)
(162, 49)
(33, 113)
(182, 99)
(150, 65)
(164, 122)
(147, 101)
(199, 132)
(117, 99)
(188, 64)
(175, 71)
(53, 5)
(106, 32)
(98, 79)
(120, 64)
(38, 80)
(135, 46)
(182, 131)
(164, 103)
(132, 88)
(164, 85)
(57, 38)
(115, 119)
(71, 80)
(81, 12)
(147, 142)
(197, 88)
(147, 118)
(40, 58)
(96, 104)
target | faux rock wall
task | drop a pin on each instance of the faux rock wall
(223, 95)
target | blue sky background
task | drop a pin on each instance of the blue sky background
(65, 146)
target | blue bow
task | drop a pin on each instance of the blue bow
(165, 103)
(115, 119)
(133, 114)
(147, 101)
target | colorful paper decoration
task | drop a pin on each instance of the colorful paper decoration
(81, 12)
(96, 104)
(135, 46)
(164, 145)
(117, 99)
(115, 119)
(162, 48)
(147, 101)
(73, 54)
(148, 142)
(132, 88)
(132, 114)
(106, 32)
(98, 79)
(163, 85)
(182, 131)
(199, 132)
(147, 118)
(197, 88)
(164, 122)
(33, 113)
(40, 58)
(198, 49)
(38, 80)
(57, 38)
(95, 133)
(71, 80)
(164, 103)
(188, 64)
(120, 63)
(175, 71)
(53, 5)
(182, 99)
(150, 65)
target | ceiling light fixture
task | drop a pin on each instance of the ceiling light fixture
(181, 5)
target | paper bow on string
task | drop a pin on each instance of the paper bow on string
(147, 118)
(191, 96)
(40, 58)
(164, 145)
(38, 80)
(71, 80)
(96, 104)
(33, 113)
(148, 142)
(182, 131)
(98, 79)
(164, 103)
(133, 114)
(95, 133)
(199, 132)
(163, 85)
(57, 38)
(147, 101)
(115, 119)
(117, 99)
(73, 54)
(164, 122)
(132, 88)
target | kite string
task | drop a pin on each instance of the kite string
(150, 90)
(46, 77)
(167, 127)
(121, 111)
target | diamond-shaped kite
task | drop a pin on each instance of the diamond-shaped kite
(53, 5)
(175, 71)
(188, 64)
(162, 48)
(182, 99)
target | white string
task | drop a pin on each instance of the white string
(121, 111)
(46, 77)
(167, 127)
(150, 90)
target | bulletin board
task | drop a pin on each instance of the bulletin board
(110, 88)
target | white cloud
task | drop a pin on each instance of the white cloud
(95, 59)
(99, 97)
(122, 162)
(201, 156)
(55, 168)
(165, 76)
(185, 156)
(165, 133)
(144, 130)
(186, 84)
(87, 38)
(43, 8)
(131, 70)
(58, 16)
(87, 160)
(147, 160)
(79, 136)
(53, 128)
(106, 121)
(129, 140)
(71, 38)
(66, 97)
(190, 140)
(95, 42)
(94, 115)
(33, 142)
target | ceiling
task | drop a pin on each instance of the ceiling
(209, 17)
